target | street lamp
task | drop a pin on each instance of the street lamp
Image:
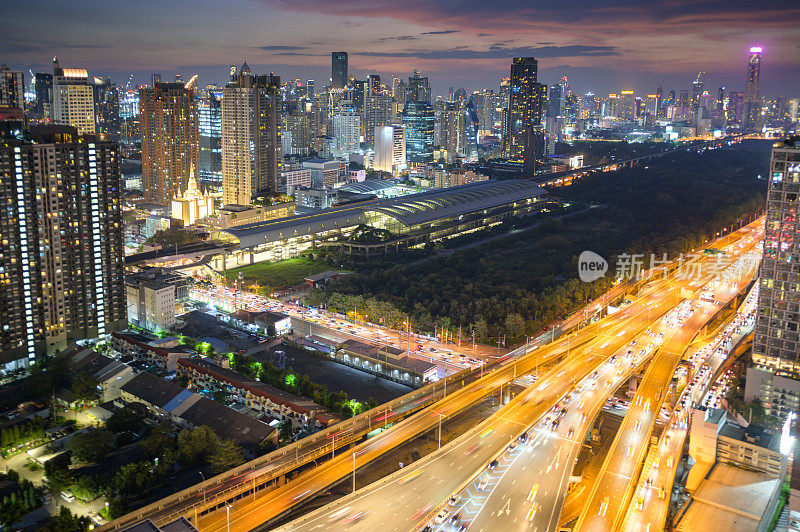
(204, 488)
(354, 472)
(440, 429)
(228, 521)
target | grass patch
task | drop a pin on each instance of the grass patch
(277, 275)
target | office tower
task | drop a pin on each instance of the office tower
(346, 129)
(251, 137)
(12, 89)
(155, 79)
(419, 88)
(73, 100)
(721, 99)
(626, 107)
(390, 148)
(338, 70)
(169, 131)
(61, 256)
(526, 99)
(106, 108)
(399, 90)
(418, 118)
(377, 112)
(43, 82)
(209, 155)
(735, 107)
(557, 98)
(310, 88)
(775, 375)
(652, 104)
(752, 99)
(697, 91)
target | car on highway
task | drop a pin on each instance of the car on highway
(492, 465)
(639, 503)
(483, 482)
(570, 432)
(440, 517)
(603, 507)
(532, 511)
(533, 492)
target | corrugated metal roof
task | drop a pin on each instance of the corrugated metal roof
(410, 210)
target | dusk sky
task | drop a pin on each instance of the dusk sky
(600, 46)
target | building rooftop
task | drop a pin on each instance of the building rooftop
(237, 380)
(227, 423)
(152, 389)
(410, 210)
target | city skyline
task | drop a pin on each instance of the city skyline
(601, 49)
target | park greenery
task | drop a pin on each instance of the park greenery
(174, 236)
(513, 286)
(19, 502)
(270, 276)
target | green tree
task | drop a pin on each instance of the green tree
(227, 455)
(84, 387)
(195, 445)
(93, 445)
(158, 443)
(171, 237)
(481, 329)
(515, 325)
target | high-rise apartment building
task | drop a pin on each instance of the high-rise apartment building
(338, 70)
(346, 129)
(251, 137)
(61, 253)
(525, 104)
(12, 88)
(419, 120)
(73, 98)
(169, 131)
(390, 148)
(752, 98)
(453, 129)
(377, 112)
(775, 375)
(209, 156)
(297, 133)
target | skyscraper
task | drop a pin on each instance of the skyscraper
(209, 156)
(418, 118)
(338, 70)
(12, 88)
(169, 130)
(61, 257)
(525, 102)
(377, 112)
(775, 377)
(752, 99)
(251, 137)
(419, 88)
(106, 108)
(346, 129)
(44, 94)
(73, 99)
(390, 148)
